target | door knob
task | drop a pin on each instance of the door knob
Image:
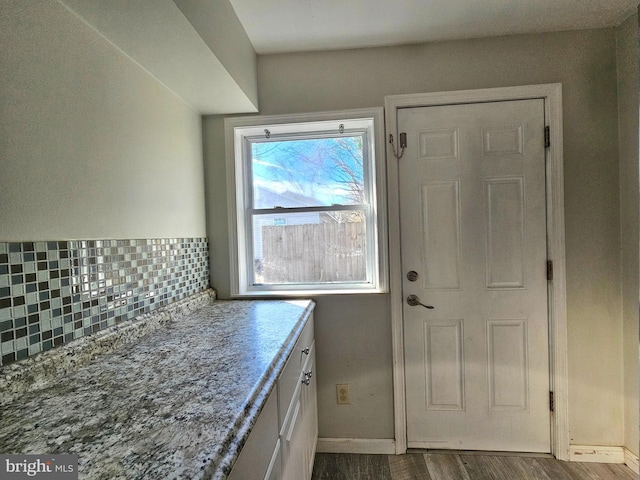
(414, 301)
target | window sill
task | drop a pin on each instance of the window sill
(307, 292)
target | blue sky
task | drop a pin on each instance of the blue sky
(319, 168)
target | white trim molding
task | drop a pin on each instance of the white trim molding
(243, 132)
(596, 454)
(552, 96)
(382, 446)
(631, 461)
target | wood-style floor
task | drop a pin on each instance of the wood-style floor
(448, 466)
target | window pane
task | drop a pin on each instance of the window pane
(312, 247)
(308, 172)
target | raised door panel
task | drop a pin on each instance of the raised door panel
(293, 467)
(508, 365)
(441, 234)
(505, 232)
(444, 366)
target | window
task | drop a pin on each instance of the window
(307, 214)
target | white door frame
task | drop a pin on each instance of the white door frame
(558, 358)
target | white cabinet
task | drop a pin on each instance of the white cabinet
(299, 432)
(298, 411)
(274, 472)
(310, 406)
(282, 444)
(257, 455)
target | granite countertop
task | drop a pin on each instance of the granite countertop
(180, 402)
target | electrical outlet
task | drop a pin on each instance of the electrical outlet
(342, 394)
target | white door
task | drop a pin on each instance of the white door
(473, 228)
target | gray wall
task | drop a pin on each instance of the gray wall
(219, 27)
(628, 86)
(91, 146)
(354, 341)
(353, 332)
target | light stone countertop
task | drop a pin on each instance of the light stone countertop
(179, 402)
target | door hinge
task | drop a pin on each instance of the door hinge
(551, 402)
(547, 137)
(549, 269)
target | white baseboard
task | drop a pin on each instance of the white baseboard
(600, 454)
(357, 445)
(631, 461)
(577, 453)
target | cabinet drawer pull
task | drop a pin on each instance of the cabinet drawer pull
(307, 377)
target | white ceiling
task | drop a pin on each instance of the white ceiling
(275, 26)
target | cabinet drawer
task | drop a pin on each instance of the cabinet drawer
(256, 455)
(275, 467)
(299, 433)
(292, 374)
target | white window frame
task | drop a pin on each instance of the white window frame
(237, 129)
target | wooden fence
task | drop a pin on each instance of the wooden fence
(323, 252)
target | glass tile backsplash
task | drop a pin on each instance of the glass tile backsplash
(54, 292)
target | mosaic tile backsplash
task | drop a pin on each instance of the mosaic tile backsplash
(54, 292)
